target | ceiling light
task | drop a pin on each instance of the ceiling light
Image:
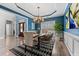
(38, 19)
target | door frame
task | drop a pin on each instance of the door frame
(23, 26)
(5, 27)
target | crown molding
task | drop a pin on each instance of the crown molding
(32, 14)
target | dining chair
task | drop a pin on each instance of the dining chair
(28, 37)
(47, 40)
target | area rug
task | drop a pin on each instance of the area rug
(45, 50)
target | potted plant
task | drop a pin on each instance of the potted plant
(59, 30)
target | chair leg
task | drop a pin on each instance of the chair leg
(25, 48)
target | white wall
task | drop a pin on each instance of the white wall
(72, 43)
(5, 15)
(48, 25)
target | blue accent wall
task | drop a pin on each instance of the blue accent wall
(72, 31)
(30, 21)
(55, 18)
(60, 20)
(37, 26)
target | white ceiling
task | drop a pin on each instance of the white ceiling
(45, 8)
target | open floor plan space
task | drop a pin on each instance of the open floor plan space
(39, 29)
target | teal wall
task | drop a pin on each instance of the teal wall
(30, 21)
(37, 26)
(72, 31)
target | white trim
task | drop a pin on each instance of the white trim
(74, 36)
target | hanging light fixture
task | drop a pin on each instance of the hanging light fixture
(38, 19)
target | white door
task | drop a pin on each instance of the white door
(8, 29)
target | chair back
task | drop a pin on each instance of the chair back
(28, 37)
(46, 37)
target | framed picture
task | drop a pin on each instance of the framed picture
(74, 16)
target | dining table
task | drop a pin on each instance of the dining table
(38, 36)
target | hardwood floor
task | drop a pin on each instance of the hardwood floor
(64, 49)
(60, 49)
(11, 42)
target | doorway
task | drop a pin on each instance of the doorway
(21, 29)
(8, 28)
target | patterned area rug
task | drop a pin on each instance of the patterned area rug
(45, 50)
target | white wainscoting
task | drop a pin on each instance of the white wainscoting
(72, 43)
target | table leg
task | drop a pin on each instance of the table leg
(25, 48)
(38, 42)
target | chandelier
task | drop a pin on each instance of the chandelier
(38, 19)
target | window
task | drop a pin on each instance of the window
(33, 25)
